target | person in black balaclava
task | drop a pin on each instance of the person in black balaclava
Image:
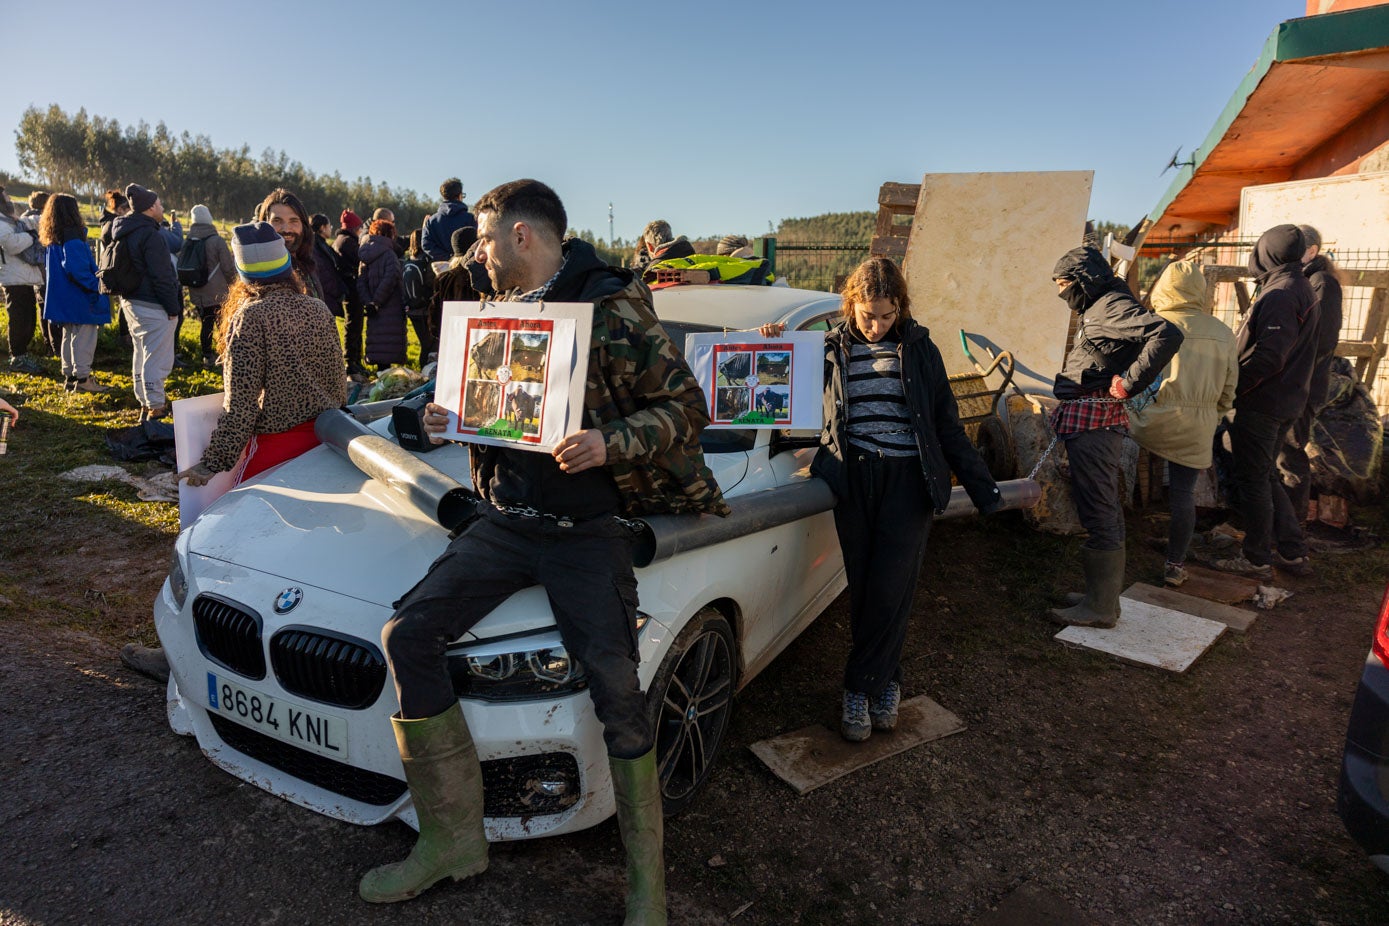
(1277, 348)
(1119, 350)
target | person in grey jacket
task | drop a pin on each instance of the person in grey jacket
(221, 274)
(151, 311)
(21, 281)
(1119, 349)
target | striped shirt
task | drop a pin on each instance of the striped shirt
(878, 417)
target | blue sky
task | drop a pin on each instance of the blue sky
(716, 118)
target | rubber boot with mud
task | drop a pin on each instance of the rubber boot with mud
(445, 779)
(639, 818)
(1104, 580)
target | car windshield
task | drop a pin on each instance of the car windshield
(713, 440)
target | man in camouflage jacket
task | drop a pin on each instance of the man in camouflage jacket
(553, 520)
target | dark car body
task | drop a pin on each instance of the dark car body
(1363, 796)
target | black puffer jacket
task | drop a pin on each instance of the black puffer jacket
(1116, 337)
(940, 438)
(150, 253)
(1277, 344)
(1327, 288)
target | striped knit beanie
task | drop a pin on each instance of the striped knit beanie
(260, 254)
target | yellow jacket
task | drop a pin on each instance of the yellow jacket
(1198, 386)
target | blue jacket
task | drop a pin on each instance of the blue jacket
(73, 297)
(439, 228)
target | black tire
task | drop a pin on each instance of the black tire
(996, 449)
(691, 699)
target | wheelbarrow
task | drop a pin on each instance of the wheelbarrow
(978, 405)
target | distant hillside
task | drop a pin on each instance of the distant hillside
(831, 228)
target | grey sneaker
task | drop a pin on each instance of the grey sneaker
(882, 708)
(1241, 566)
(1298, 566)
(855, 726)
(1174, 575)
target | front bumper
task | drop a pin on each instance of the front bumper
(545, 768)
(1361, 798)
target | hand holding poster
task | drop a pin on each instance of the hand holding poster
(757, 382)
(512, 373)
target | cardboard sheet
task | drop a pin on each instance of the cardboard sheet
(980, 257)
(194, 421)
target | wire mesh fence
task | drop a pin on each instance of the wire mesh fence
(817, 266)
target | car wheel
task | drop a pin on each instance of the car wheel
(691, 700)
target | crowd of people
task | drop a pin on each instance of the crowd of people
(1165, 373)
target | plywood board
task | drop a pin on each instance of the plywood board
(1235, 619)
(813, 756)
(980, 257)
(1149, 635)
(1214, 585)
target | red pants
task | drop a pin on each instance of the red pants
(266, 450)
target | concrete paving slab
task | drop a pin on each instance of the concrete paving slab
(1236, 619)
(1149, 635)
(1032, 906)
(1214, 585)
(813, 756)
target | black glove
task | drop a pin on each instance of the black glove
(369, 310)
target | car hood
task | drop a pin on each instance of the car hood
(317, 520)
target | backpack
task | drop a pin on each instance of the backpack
(415, 284)
(192, 263)
(116, 271)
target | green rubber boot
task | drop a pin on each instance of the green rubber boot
(445, 779)
(639, 818)
(1104, 581)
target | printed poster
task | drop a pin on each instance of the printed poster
(756, 382)
(513, 373)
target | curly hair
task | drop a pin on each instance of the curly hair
(876, 278)
(60, 214)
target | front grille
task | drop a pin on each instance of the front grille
(327, 668)
(353, 783)
(229, 635)
(510, 787)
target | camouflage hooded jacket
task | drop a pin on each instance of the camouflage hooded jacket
(640, 394)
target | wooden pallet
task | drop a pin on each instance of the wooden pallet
(890, 236)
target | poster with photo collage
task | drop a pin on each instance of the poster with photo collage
(754, 382)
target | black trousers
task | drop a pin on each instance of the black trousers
(883, 522)
(1095, 459)
(586, 570)
(208, 316)
(1269, 518)
(353, 332)
(22, 305)
(1294, 469)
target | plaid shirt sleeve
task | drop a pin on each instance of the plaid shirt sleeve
(1089, 413)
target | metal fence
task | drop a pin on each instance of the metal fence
(1354, 306)
(817, 266)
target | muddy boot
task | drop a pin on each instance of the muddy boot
(1104, 580)
(445, 778)
(146, 660)
(639, 818)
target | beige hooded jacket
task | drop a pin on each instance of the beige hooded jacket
(1198, 386)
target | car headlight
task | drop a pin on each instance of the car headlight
(541, 671)
(178, 581)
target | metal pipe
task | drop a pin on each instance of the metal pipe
(440, 496)
(665, 535)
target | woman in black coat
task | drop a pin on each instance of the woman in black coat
(892, 438)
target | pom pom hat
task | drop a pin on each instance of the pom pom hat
(260, 254)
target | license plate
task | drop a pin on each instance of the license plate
(307, 728)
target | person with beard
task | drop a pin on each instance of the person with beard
(554, 520)
(347, 246)
(1293, 465)
(378, 286)
(1277, 348)
(287, 215)
(1119, 349)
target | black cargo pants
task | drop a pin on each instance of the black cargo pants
(586, 570)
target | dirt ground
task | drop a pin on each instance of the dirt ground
(1132, 795)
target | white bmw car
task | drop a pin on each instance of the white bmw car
(272, 613)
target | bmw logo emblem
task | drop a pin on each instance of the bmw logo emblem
(288, 600)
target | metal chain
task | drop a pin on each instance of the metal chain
(1088, 400)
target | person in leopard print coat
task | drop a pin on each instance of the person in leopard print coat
(284, 365)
